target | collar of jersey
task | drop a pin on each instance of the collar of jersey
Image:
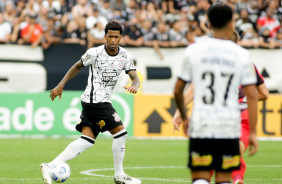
(110, 54)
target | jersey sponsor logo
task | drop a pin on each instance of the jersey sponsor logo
(204, 160)
(230, 161)
(110, 83)
(107, 78)
(109, 74)
(116, 116)
(101, 124)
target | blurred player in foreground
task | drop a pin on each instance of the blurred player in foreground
(263, 94)
(217, 67)
(105, 62)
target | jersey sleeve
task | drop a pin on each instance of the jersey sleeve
(129, 65)
(248, 72)
(185, 73)
(260, 79)
(89, 57)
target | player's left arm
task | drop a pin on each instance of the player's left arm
(135, 82)
(263, 92)
(252, 98)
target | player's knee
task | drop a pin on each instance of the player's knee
(88, 140)
(87, 131)
(201, 181)
(122, 133)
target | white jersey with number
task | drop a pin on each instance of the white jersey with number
(217, 68)
(104, 71)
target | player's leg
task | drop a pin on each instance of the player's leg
(222, 177)
(238, 175)
(201, 160)
(86, 141)
(118, 148)
(227, 160)
(200, 177)
(76, 147)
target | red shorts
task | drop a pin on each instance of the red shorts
(245, 132)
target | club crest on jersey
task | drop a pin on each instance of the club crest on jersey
(116, 116)
(121, 63)
(101, 124)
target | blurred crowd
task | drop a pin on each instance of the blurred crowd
(151, 23)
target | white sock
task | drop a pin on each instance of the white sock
(118, 149)
(75, 148)
(201, 181)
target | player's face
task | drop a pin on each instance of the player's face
(113, 38)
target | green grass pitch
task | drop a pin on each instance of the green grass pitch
(154, 161)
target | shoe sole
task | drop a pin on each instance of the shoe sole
(118, 182)
(121, 182)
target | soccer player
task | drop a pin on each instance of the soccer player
(217, 67)
(263, 93)
(105, 62)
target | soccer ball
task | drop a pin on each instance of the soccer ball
(59, 172)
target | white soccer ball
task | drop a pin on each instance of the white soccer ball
(59, 172)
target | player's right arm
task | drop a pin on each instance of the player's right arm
(87, 59)
(184, 77)
(73, 71)
(178, 94)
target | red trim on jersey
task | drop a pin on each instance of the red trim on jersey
(244, 111)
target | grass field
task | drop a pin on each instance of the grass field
(154, 161)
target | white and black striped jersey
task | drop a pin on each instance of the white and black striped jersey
(217, 68)
(104, 71)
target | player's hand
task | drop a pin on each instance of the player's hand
(253, 144)
(58, 90)
(185, 126)
(176, 121)
(131, 89)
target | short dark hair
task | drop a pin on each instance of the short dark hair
(220, 15)
(115, 26)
